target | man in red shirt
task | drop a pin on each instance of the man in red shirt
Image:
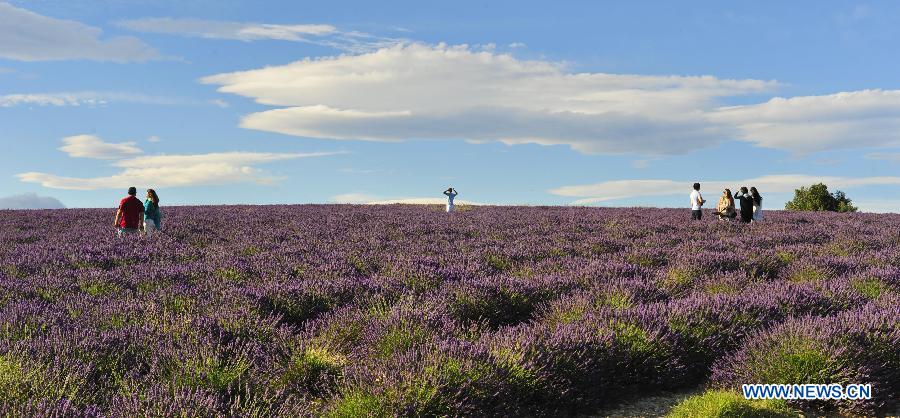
(130, 216)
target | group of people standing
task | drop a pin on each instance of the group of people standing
(750, 200)
(134, 217)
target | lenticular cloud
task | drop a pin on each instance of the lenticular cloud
(424, 92)
(429, 92)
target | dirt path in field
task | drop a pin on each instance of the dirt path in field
(650, 406)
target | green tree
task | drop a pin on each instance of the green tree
(817, 197)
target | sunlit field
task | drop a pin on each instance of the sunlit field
(405, 310)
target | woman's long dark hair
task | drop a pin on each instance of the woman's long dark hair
(757, 198)
(152, 195)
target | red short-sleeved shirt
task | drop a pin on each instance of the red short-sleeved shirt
(131, 208)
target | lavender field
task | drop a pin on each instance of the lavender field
(403, 310)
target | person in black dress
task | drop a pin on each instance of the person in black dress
(746, 204)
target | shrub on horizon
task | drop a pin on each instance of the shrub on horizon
(817, 198)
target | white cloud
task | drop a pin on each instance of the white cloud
(28, 36)
(859, 13)
(350, 170)
(427, 92)
(353, 198)
(887, 156)
(320, 34)
(175, 171)
(878, 205)
(51, 99)
(417, 91)
(368, 199)
(619, 189)
(517, 45)
(161, 170)
(642, 163)
(782, 183)
(489, 47)
(211, 29)
(154, 138)
(219, 103)
(30, 201)
(83, 98)
(90, 146)
(858, 119)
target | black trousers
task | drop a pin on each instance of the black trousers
(696, 215)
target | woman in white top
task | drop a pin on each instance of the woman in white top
(450, 193)
(757, 204)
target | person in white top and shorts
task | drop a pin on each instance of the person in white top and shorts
(451, 194)
(697, 203)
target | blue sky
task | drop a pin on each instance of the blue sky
(595, 103)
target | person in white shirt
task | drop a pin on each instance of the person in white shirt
(697, 203)
(450, 193)
(756, 198)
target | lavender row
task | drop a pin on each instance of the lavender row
(404, 310)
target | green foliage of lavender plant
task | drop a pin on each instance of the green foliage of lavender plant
(727, 404)
(393, 311)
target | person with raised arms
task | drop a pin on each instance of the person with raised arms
(451, 194)
(743, 196)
